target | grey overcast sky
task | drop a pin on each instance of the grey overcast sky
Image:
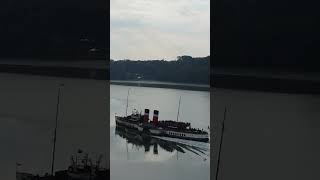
(159, 29)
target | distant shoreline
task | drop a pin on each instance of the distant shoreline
(193, 87)
(69, 70)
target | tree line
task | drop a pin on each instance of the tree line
(185, 69)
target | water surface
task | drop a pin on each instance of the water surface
(135, 157)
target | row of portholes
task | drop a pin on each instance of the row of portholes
(170, 133)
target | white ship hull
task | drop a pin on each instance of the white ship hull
(186, 135)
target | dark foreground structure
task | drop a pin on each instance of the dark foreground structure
(265, 90)
(30, 108)
(60, 175)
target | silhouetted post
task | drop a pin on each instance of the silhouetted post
(55, 129)
(221, 140)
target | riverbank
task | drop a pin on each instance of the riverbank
(157, 84)
(94, 69)
(266, 80)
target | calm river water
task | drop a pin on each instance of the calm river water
(132, 158)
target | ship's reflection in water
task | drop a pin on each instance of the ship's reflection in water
(169, 146)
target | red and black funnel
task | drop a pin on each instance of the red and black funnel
(155, 116)
(146, 116)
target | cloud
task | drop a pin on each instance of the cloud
(150, 29)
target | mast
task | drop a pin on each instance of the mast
(178, 108)
(178, 118)
(126, 116)
(127, 102)
(55, 129)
